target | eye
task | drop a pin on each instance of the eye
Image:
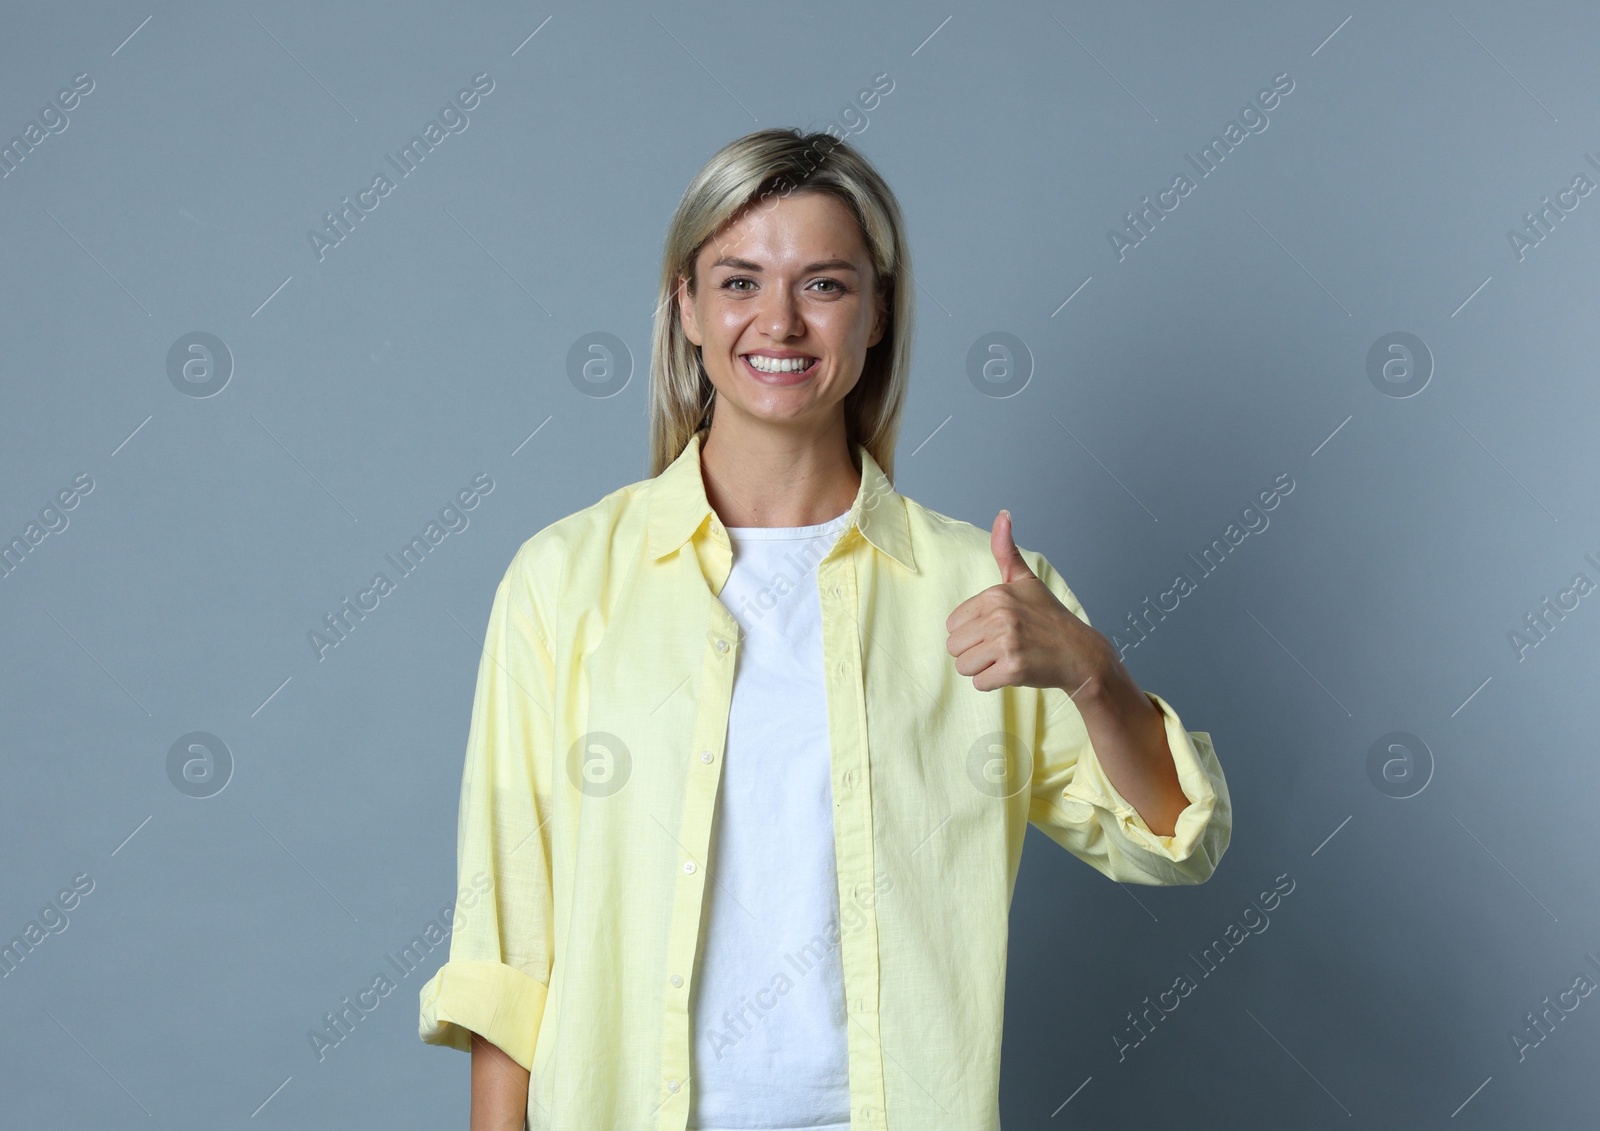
(732, 279)
(838, 287)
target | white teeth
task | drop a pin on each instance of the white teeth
(778, 365)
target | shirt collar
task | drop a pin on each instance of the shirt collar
(678, 506)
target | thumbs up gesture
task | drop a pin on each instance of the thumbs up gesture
(1017, 633)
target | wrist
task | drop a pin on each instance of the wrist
(1110, 690)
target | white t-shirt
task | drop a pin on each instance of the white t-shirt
(767, 1001)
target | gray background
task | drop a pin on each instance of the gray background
(1229, 347)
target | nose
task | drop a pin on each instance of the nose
(780, 314)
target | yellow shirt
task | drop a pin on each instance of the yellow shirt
(593, 754)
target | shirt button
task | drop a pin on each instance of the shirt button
(722, 645)
(676, 980)
(672, 1085)
(688, 866)
(705, 756)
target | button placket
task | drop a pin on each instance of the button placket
(853, 827)
(693, 845)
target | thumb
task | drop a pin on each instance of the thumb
(1006, 554)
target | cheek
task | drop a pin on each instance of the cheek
(724, 322)
(730, 316)
(855, 331)
(842, 328)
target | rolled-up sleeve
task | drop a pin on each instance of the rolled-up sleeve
(497, 976)
(1074, 803)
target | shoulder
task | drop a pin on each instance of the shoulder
(547, 562)
(955, 538)
(942, 534)
(950, 552)
(944, 544)
(594, 526)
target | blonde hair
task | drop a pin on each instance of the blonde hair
(746, 171)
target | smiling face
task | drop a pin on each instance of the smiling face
(785, 310)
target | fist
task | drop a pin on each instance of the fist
(1018, 634)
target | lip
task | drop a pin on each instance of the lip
(780, 379)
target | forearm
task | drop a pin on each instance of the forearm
(499, 1089)
(1129, 735)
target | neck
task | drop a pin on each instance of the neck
(778, 477)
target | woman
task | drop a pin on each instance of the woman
(756, 740)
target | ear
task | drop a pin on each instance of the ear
(880, 322)
(686, 311)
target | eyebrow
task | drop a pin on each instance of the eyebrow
(823, 265)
